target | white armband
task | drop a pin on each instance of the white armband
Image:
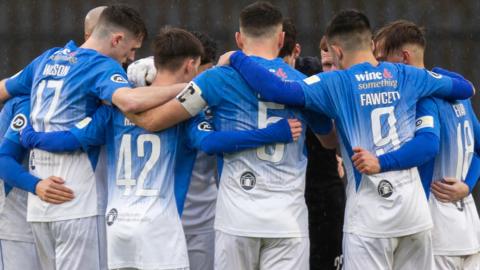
(191, 99)
(424, 122)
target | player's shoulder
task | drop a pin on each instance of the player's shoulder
(330, 77)
(217, 75)
(431, 102)
(18, 103)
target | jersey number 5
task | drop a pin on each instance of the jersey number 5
(263, 153)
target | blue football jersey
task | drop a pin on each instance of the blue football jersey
(374, 108)
(456, 230)
(148, 178)
(66, 85)
(261, 190)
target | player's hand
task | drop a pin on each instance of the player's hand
(365, 162)
(295, 128)
(142, 72)
(449, 190)
(53, 190)
(224, 60)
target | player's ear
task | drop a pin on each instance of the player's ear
(336, 51)
(281, 39)
(117, 38)
(406, 57)
(239, 40)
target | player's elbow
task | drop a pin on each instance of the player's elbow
(128, 105)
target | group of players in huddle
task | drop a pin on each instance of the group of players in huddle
(113, 171)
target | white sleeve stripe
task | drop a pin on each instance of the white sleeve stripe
(191, 99)
(424, 122)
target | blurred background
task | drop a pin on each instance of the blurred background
(28, 27)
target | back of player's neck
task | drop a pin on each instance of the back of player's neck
(261, 51)
(166, 78)
(93, 44)
(359, 57)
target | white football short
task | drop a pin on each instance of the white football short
(17, 255)
(71, 244)
(470, 262)
(398, 253)
(239, 252)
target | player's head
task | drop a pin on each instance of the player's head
(91, 19)
(209, 51)
(177, 52)
(123, 29)
(401, 42)
(260, 25)
(291, 49)
(325, 56)
(308, 65)
(348, 34)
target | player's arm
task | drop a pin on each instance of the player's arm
(416, 152)
(134, 100)
(441, 84)
(188, 103)
(57, 141)
(51, 189)
(204, 138)
(12, 153)
(268, 85)
(4, 96)
(112, 86)
(89, 132)
(323, 128)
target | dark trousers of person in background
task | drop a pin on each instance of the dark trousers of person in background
(325, 198)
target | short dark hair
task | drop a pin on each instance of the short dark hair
(308, 65)
(351, 27)
(290, 38)
(172, 46)
(398, 33)
(209, 47)
(258, 18)
(124, 17)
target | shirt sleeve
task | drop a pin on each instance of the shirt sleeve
(92, 131)
(198, 128)
(113, 78)
(19, 121)
(428, 83)
(317, 91)
(22, 82)
(427, 117)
